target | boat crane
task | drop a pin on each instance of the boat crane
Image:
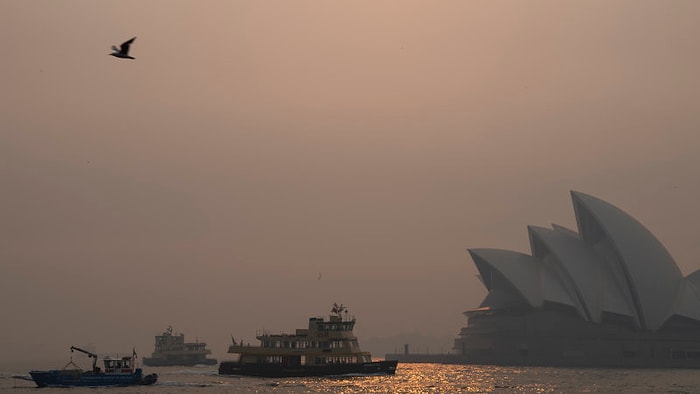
(90, 355)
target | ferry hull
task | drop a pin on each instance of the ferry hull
(73, 378)
(281, 371)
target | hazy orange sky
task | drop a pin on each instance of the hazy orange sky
(255, 144)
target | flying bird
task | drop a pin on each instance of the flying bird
(123, 51)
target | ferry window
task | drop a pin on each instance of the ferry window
(678, 354)
(693, 354)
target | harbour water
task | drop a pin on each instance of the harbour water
(409, 378)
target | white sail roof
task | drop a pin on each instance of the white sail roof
(612, 265)
(651, 274)
(588, 275)
(533, 280)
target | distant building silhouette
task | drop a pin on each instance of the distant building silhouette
(607, 295)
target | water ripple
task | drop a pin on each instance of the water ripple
(409, 378)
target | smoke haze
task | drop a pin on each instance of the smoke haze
(259, 161)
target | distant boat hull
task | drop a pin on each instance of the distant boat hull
(75, 378)
(281, 371)
(159, 362)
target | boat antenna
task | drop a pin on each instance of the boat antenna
(338, 309)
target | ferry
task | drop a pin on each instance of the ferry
(171, 349)
(117, 372)
(326, 347)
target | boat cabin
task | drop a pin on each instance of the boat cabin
(124, 365)
(170, 342)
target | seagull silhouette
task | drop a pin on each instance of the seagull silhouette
(123, 51)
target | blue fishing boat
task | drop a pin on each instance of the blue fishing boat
(116, 372)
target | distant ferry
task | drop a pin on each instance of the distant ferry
(326, 347)
(171, 349)
(116, 372)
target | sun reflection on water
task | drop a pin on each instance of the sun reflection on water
(439, 378)
(427, 378)
(409, 378)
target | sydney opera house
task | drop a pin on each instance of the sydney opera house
(608, 294)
